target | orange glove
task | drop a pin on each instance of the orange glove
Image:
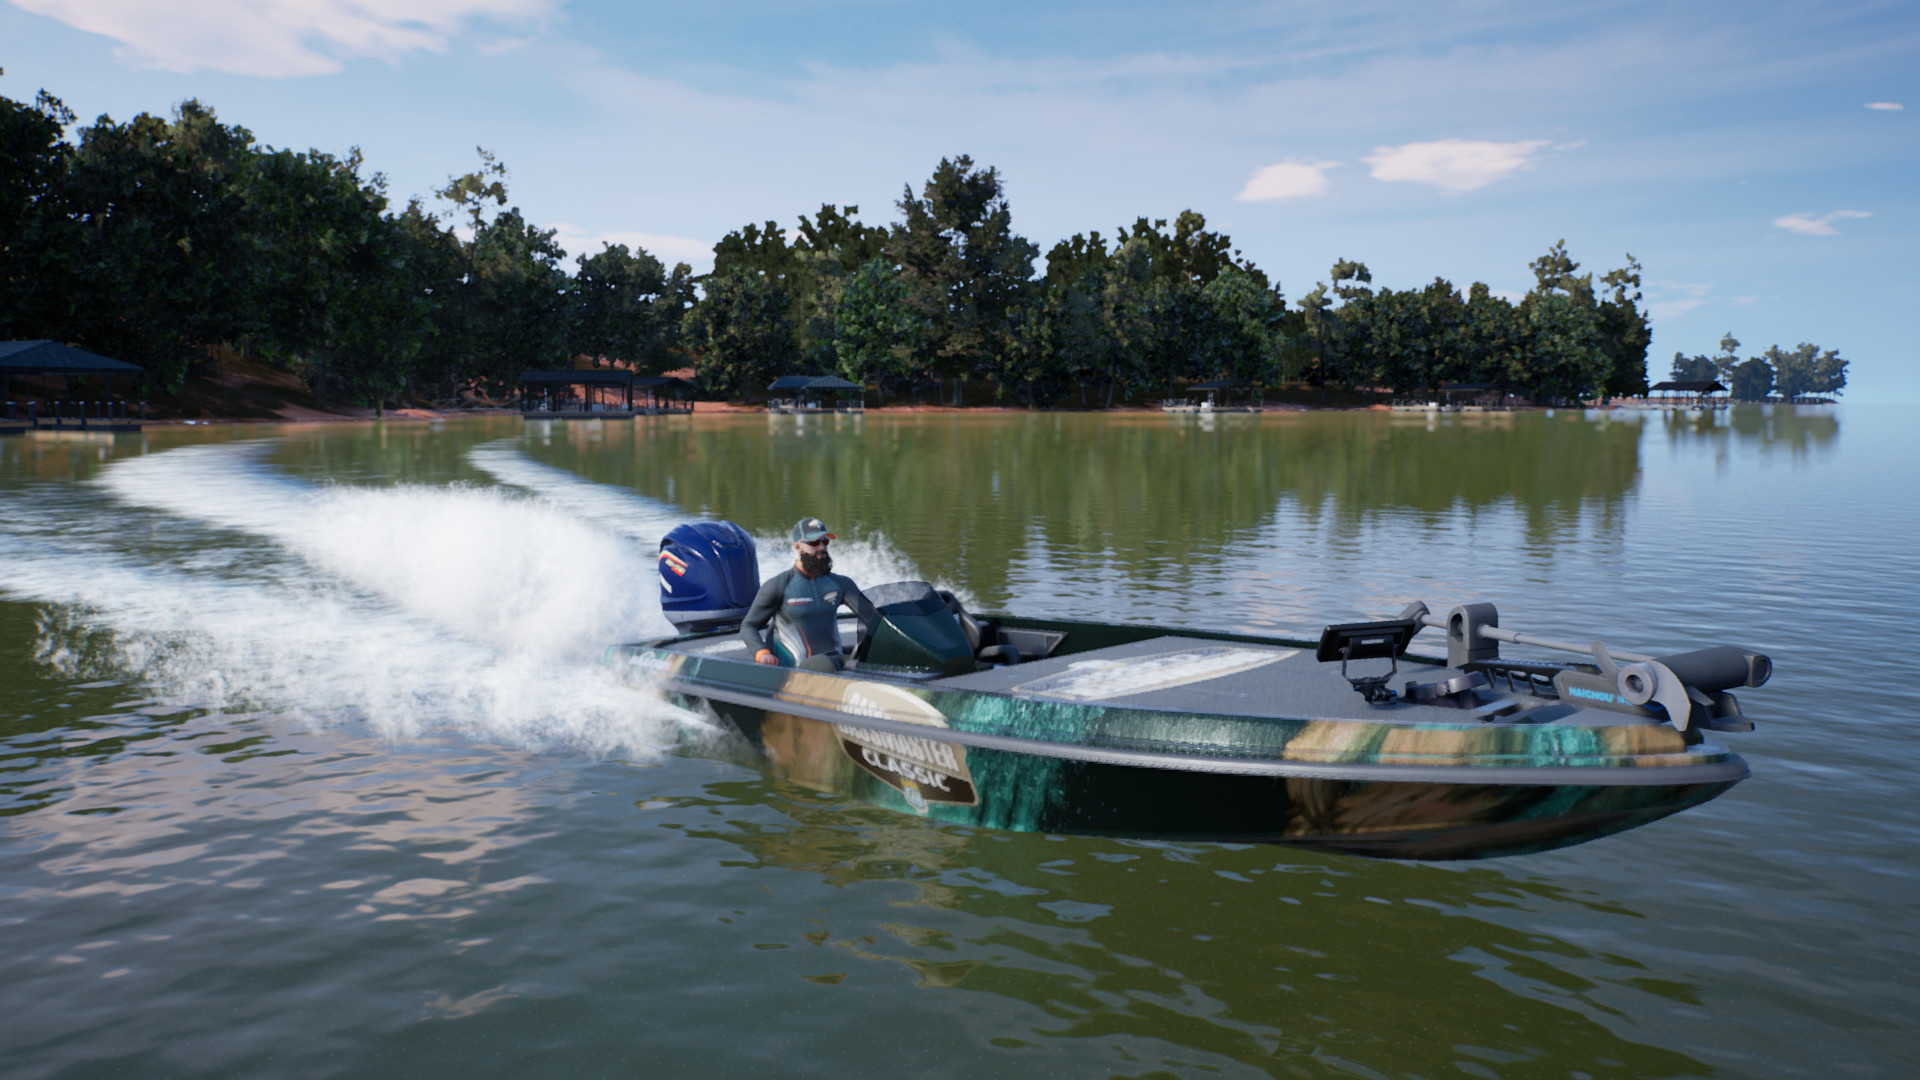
(765, 656)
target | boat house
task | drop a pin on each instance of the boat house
(601, 394)
(82, 399)
(1480, 395)
(1219, 395)
(810, 393)
(1691, 393)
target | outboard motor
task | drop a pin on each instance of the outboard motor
(918, 633)
(709, 573)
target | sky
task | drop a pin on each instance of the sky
(1759, 159)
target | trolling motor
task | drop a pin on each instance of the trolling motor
(1681, 688)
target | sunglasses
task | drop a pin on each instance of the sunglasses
(812, 543)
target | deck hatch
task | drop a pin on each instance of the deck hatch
(1100, 680)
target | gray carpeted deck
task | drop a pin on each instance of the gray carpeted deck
(1172, 672)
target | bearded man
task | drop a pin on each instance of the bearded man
(803, 605)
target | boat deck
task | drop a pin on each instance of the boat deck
(1200, 675)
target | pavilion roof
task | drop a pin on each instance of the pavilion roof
(53, 358)
(1689, 386)
(813, 382)
(601, 377)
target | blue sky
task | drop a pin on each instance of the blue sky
(1760, 159)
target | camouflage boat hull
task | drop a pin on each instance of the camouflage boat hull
(1442, 790)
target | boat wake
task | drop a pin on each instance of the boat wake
(211, 580)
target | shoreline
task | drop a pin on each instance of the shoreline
(701, 408)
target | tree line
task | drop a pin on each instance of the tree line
(950, 291)
(163, 241)
(166, 240)
(1804, 371)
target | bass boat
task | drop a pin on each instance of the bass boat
(1349, 743)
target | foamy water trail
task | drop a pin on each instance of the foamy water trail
(416, 609)
(867, 560)
(213, 580)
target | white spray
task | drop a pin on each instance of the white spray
(475, 610)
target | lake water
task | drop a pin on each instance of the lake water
(307, 767)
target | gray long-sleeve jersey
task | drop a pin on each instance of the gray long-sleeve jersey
(804, 613)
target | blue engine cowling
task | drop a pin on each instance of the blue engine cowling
(709, 572)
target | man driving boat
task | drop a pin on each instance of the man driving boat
(803, 605)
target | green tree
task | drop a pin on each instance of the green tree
(1792, 370)
(436, 272)
(334, 289)
(970, 275)
(877, 330)
(1693, 368)
(1564, 356)
(1135, 308)
(1337, 322)
(505, 308)
(1805, 370)
(161, 269)
(1418, 337)
(1243, 333)
(1727, 359)
(1625, 332)
(35, 230)
(1064, 340)
(1752, 380)
(1491, 339)
(738, 333)
(518, 307)
(1829, 373)
(811, 270)
(625, 307)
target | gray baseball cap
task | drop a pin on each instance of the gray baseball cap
(807, 530)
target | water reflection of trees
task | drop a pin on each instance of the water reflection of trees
(962, 495)
(1266, 956)
(1800, 430)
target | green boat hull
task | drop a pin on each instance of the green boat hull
(1400, 819)
(1443, 790)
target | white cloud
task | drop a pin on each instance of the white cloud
(277, 38)
(1885, 106)
(1662, 304)
(1673, 309)
(668, 249)
(1287, 180)
(1453, 164)
(1808, 225)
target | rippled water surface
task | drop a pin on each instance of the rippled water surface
(307, 767)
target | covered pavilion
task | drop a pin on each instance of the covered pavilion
(809, 390)
(1222, 395)
(1696, 392)
(1481, 394)
(45, 361)
(660, 395)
